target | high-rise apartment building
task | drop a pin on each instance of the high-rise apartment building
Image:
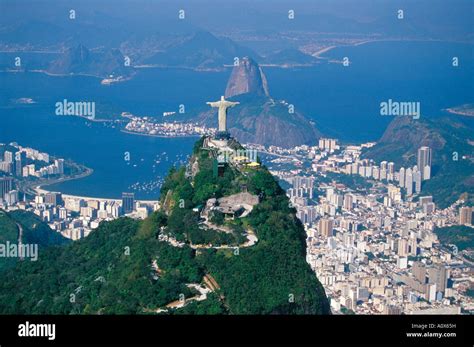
(424, 160)
(128, 202)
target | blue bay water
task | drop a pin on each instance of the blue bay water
(344, 102)
(97, 145)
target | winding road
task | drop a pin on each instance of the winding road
(20, 237)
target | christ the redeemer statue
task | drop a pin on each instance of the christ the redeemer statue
(223, 105)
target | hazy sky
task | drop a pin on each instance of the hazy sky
(212, 13)
(107, 22)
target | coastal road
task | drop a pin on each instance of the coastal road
(29, 186)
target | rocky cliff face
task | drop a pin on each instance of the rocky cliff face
(268, 129)
(265, 121)
(259, 118)
(247, 77)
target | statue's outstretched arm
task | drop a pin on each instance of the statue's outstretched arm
(231, 103)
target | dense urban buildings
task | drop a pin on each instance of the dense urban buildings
(374, 248)
(72, 216)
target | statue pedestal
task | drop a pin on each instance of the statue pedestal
(221, 145)
(222, 135)
(218, 143)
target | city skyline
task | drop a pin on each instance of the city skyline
(286, 165)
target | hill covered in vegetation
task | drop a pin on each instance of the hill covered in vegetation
(179, 260)
(452, 155)
(33, 232)
(460, 235)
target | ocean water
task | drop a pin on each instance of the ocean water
(98, 145)
(101, 148)
(343, 101)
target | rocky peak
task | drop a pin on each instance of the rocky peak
(247, 77)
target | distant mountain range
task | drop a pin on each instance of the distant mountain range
(259, 118)
(452, 145)
(202, 50)
(46, 23)
(81, 60)
(198, 50)
(211, 42)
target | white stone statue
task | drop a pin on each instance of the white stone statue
(223, 105)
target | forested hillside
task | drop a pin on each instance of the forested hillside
(175, 263)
